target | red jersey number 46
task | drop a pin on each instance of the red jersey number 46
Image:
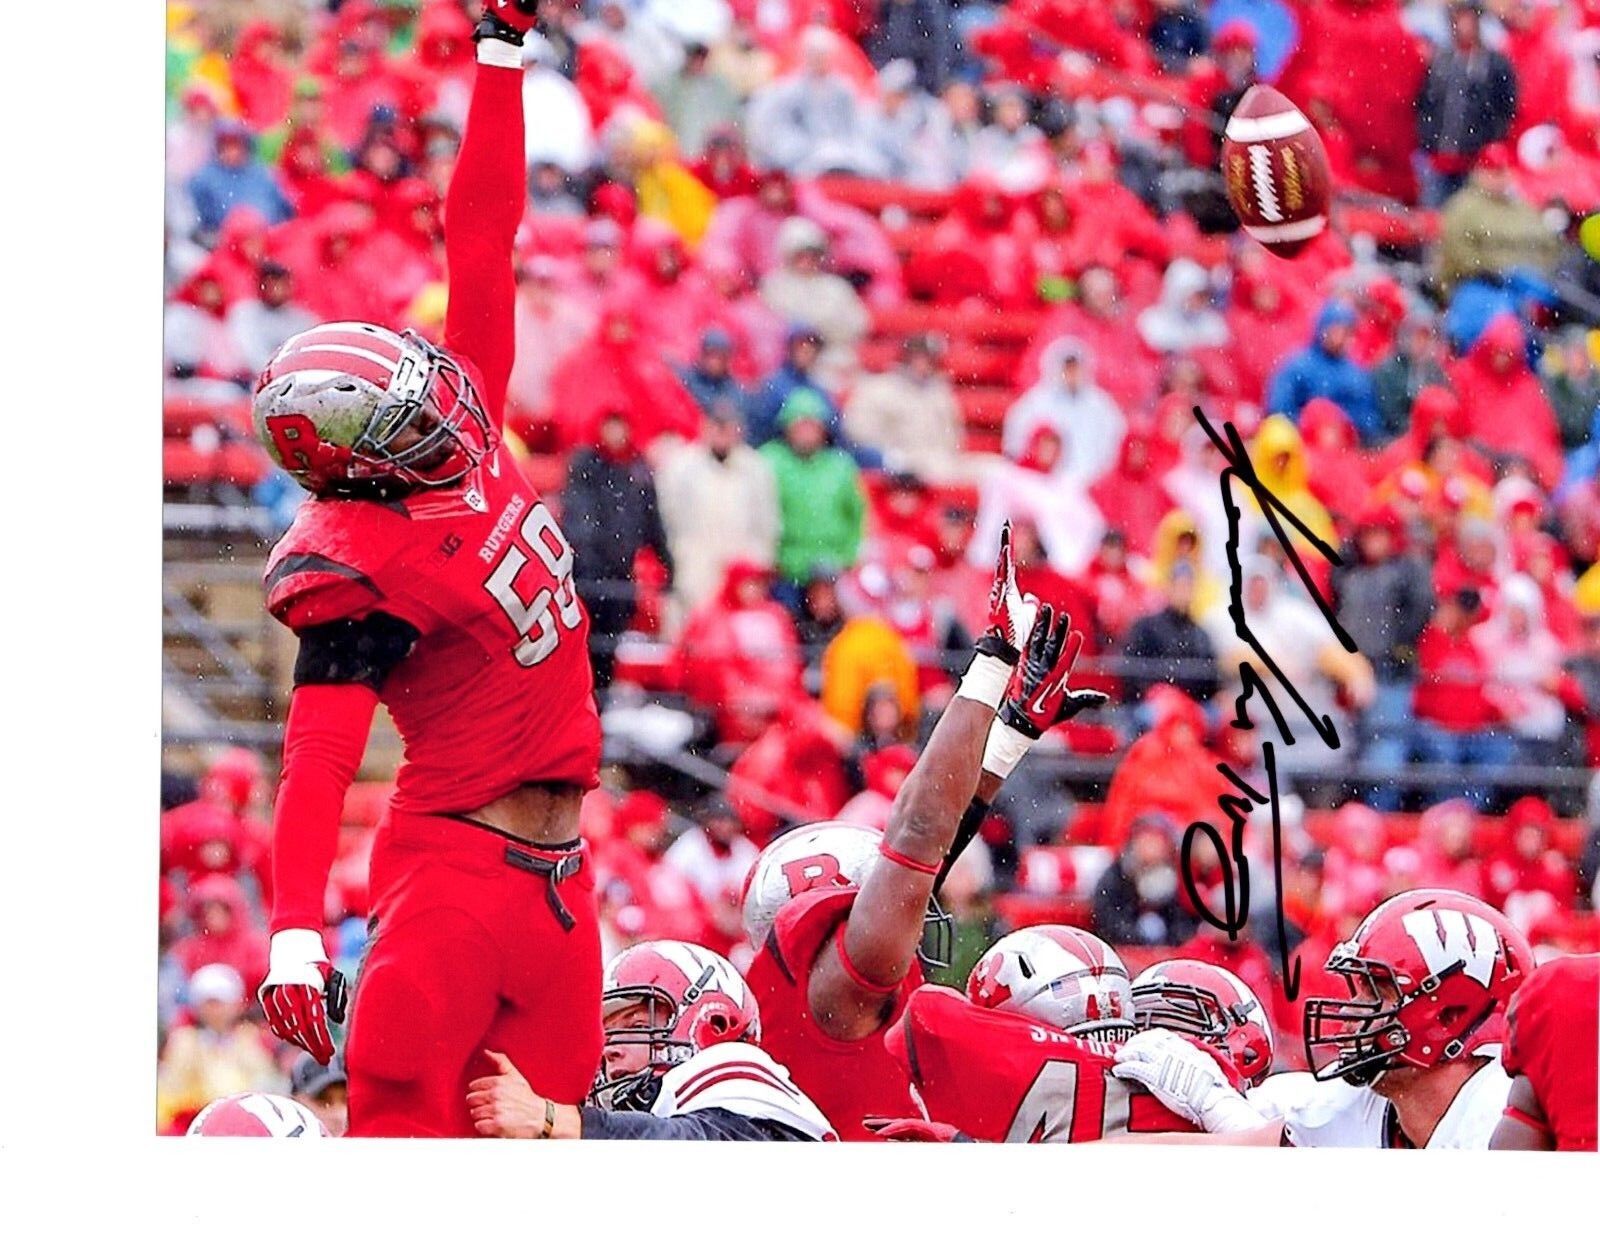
(534, 619)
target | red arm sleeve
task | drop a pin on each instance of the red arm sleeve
(482, 210)
(322, 747)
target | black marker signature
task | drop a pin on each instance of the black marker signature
(1237, 806)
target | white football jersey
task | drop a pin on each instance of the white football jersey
(1335, 1113)
(742, 1079)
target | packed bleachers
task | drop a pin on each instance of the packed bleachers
(996, 265)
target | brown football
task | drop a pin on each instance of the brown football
(1276, 172)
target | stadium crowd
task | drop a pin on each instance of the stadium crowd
(813, 297)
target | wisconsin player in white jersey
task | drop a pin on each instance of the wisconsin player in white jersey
(682, 1062)
(1411, 1059)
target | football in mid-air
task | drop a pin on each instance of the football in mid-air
(1276, 172)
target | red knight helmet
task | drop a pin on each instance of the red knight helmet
(1430, 974)
(1062, 976)
(1209, 1003)
(832, 854)
(693, 999)
(350, 407)
(255, 1115)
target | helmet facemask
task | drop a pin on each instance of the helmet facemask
(1185, 1008)
(668, 1029)
(433, 429)
(1364, 1032)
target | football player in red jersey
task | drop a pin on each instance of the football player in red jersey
(1410, 1059)
(426, 574)
(683, 1062)
(1552, 1045)
(841, 956)
(1027, 1054)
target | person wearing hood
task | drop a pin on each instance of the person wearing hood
(549, 327)
(1460, 726)
(802, 348)
(1273, 26)
(235, 177)
(821, 502)
(1508, 415)
(216, 1052)
(1182, 320)
(1129, 496)
(1336, 467)
(1323, 368)
(1415, 362)
(976, 252)
(1179, 547)
(678, 298)
(1099, 318)
(1278, 454)
(1039, 488)
(609, 505)
(803, 290)
(1488, 229)
(195, 335)
(1292, 631)
(222, 930)
(1524, 662)
(709, 377)
(739, 656)
(611, 372)
(1139, 899)
(1169, 769)
(719, 505)
(1067, 400)
(263, 322)
(1384, 596)
(910, 414)
(910, 131)
(1268, 315)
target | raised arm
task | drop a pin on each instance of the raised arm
(484, 205)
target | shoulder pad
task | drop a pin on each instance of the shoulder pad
(805, 925)
(743, 1079)
(328, 565)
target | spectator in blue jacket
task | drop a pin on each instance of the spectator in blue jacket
(1322, 370)
(235, 177)
(761, 410)
(710, 378)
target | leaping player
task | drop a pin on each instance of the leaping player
(424, 573)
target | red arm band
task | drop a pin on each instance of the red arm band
(323, 742)
(482, 210)
(905, 860)
(1533, 1122)
(855, 976)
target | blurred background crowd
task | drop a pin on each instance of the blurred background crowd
(813, 295)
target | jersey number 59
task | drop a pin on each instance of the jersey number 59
(533, 619)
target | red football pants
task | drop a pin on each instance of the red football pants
(467, 953)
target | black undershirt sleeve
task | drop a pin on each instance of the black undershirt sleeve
(711, 1125)
(354, 650)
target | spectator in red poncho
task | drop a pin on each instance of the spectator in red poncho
(1268, 317)
(739, 657)
(793, 772)
(222, 930)
(549, 326)
(1528, 862)
(1354, 876)
(1437, 417)
(1169, 769)
(1446, 853)
(305, 176)
(1336, 470)
(610, 371)
(1535, 43)
(1120, 597)
(678, 300)
(607, 82)
(1128, 495)
(883, 772)
(975, 252)
(1112, 223)
(1356, 59)
(263, 82)
(356, 80)
(241, 248)
(216, 833)
(1089, 26)
(630, 869)
(333, 267)
(408, 241)
(723, 167)
(715, 856)
(1507, 411)
(1103, 321)
(195, 336)
(1380, 308)
(1458, 725)
(444, 61)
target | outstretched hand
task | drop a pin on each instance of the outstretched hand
(1040, 694)
(1011, 614)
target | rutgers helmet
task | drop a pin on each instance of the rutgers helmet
(1062, 976)
(255, 1115)
(1430, 974)
(693, 999)
(348, 407)
(832, 854)
(1208, 1003)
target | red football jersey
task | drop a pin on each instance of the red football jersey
(848, 1081)
(1003, 1078)
(497, 691)
(1553, 1040)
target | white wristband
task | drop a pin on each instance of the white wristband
(985, 681)
(1004, 749)
(499, 53)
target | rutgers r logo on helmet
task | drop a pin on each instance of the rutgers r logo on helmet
(353, 408)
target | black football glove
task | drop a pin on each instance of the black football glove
(506, 20)
(1040, 695)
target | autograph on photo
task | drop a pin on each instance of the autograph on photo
(1235, 867)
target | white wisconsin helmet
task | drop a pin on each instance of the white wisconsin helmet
(255, 1115)
(1062, 976)
(832, 854)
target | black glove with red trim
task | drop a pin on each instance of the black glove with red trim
(1040, 695)
(506, 20)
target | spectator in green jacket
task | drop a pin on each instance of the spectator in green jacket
(821, 503)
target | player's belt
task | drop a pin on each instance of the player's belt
(555, 872)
